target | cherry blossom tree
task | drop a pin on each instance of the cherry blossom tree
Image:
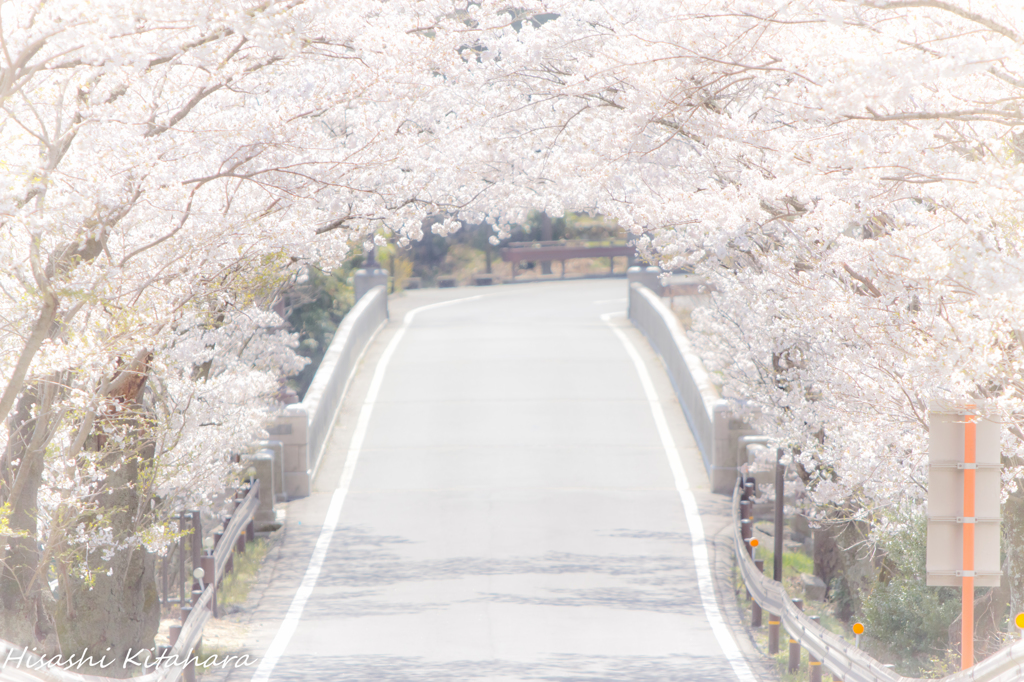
(167, 166)
(846, 174)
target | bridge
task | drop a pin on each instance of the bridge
(510, 491)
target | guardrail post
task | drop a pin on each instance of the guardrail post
(755, 608)
(181, 559)
(163, 579)
(773, 633)
(196, 594)
(813, 664)
(794, 656)
(197, 538)
(794, 646)
(217, 537)
(250, 531)
(750, 490)
(210, 571)
(189, 673)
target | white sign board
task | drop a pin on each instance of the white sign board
(946, 434)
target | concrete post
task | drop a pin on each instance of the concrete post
(647, 276)
(291, 428)
(276, 449)
(728, 449)
(368, 278)
(263, 463)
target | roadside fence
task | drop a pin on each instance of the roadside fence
(843, 660)
(723, 444)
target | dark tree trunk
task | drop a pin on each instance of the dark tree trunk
(119, 613)
(24, 617)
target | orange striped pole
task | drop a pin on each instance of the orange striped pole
(967, 598)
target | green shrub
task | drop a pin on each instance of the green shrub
(314, 309)
(908, 622)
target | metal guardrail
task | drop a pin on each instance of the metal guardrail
(845, 661)
(191, 630)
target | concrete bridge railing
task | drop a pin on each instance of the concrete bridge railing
(710, 418)
(303, 428)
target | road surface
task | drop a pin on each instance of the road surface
(510, 512)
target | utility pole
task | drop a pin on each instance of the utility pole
(780, 493)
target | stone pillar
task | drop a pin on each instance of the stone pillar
(292, 429)
(723, 471)
(276, 449)
(368, 278)
(263, 463)
(726, 450)
(647, 276)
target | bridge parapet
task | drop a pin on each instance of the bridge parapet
(711, 419)
(303, 428)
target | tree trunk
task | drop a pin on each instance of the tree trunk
(1013, 544)
(24, 618)
(117, 616)
(837, 562)
(119, 612)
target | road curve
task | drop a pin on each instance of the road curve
(512, 514)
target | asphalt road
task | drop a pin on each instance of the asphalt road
(511, 514)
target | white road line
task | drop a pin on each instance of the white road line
(700, 549)
(291, 619)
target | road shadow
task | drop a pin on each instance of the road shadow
(563, 668)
